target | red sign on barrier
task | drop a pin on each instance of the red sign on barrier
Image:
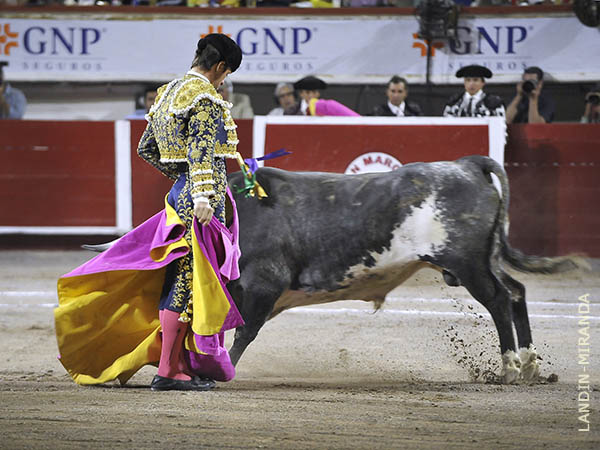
(355, 148)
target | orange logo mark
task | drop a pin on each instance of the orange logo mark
(211, 30)
(423, 45)
(5, 35)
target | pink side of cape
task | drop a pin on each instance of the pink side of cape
(219, 245)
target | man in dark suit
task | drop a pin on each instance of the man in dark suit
(397, 91)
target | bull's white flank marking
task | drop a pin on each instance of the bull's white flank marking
(421, 233)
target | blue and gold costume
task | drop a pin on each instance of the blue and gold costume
(189, 134)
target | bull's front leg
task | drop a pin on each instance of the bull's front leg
(256, 304)
(244, 335)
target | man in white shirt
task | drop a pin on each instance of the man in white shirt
(473, 102)
(285, 98)
(397, 105)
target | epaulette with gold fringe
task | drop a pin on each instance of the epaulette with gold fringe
(191, 92)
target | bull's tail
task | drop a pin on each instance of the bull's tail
(516, 258)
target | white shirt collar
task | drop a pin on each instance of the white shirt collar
(478, 95)
(304, 107)
(196, 74)
(397, 110)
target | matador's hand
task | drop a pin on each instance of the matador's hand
(202, 210)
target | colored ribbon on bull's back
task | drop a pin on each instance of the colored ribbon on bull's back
(249, 166)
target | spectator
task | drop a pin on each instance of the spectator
(144, 102)
(285, 97)
(12, 100)
(591, 113)
(473, 102)
(309, 89)
(242, 108)
(397, 90)
(530, 105)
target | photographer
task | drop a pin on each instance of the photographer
(12, 101)
(592, 106)
(530, 105)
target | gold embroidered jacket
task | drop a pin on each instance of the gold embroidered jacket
(190, 123)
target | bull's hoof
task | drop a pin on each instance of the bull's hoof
(511, 367)
(530, 369)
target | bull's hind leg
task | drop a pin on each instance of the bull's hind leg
(486, 288)
(530, 368)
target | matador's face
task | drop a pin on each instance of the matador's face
(473, 84)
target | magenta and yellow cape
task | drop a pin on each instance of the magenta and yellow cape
(107, 324)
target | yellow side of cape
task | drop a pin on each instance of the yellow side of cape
(107, 324)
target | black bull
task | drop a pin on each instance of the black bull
(322, 237)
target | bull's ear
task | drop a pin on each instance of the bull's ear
(274, 186)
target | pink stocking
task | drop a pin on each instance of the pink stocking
(173, 332)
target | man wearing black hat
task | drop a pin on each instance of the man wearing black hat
(190, 133)
(309, 89)
(474, 102)
(12, 100)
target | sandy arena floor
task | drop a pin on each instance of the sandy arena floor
(325, 377)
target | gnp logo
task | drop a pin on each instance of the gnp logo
(8, 39)
(272, 50)
(498, 40)
(267, 41)
(56, 41)
(422, 45)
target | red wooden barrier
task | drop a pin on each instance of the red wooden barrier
(331, 148)
(62, 173)
(554, 172)
(57, 173)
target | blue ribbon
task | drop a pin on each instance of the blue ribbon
(253, 164)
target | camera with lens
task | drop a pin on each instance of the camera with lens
(529, 86)
(594, 99)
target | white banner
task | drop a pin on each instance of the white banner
(343, 50)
